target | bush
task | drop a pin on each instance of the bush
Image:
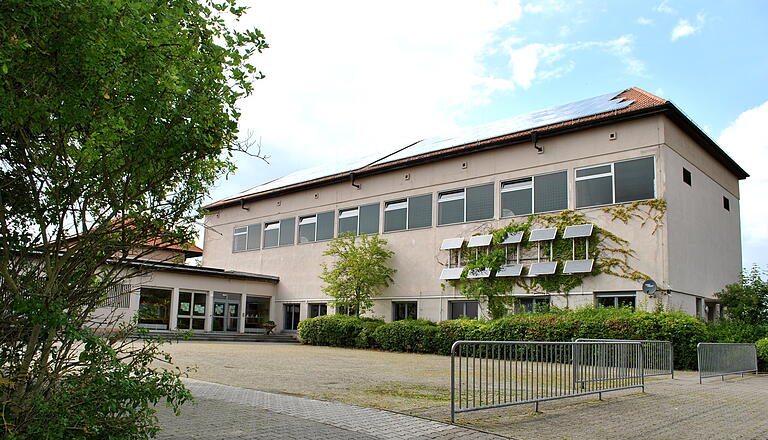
(454, 330)
(416, 335)
(365, 338)
(762, 354)
(334, 330)
(726, 330)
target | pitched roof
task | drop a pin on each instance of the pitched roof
(627, 104)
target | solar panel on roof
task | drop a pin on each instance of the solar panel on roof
(514, 238)
(452, 273)
(543, 234)
(479, 273)
(509, 270)
(578, 231)
(547, 268)
(451, 243)
(480, 240)
(578, 266)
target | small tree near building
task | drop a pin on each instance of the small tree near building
(359, 271)
(747, 300)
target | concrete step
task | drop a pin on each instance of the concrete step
(233, 337)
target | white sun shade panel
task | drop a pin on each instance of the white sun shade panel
(480, 240)
(479, 273)
(515, 238)
(578, 266)
(453, 273)
(451, 243)
(578, 231)
(543, 234)
(509, 270)
(547, 268)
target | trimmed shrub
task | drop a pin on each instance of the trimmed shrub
(333, 330)
(365, 338)
(413, 335)
(726, 330)
(454, 330)
(762, 354)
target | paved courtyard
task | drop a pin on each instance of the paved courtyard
(418, 385)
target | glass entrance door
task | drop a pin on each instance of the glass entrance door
(226, 316)
(291, 316)
(191, 313)
(233, 316)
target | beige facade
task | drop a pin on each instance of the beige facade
(693, 254)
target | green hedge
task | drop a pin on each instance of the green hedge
(416, 336)
(762, 354)
(735, 331)
(338, 331)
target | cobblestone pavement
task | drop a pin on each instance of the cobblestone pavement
(226, 412)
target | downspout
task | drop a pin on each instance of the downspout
(352, 176)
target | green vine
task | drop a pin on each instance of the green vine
(644, 210)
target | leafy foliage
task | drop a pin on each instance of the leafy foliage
(413, 335)
(115, 116)
(762, 354)
(747, 300)
(336, 330)
(358, 272)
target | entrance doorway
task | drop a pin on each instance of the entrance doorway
(226, 312)
(191, 313)
(291, 317)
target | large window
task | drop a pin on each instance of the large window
(191, 312)
(246, 238)
(544, 193)
(462, 309)
(615, 299)
(360, 220)
(318, 309)
(619, 182)
(404, 310)
(256, 312)
(469, 204)
(279, 233)
(410, 213)
(531, 304)
(154, 308)
(316, 227)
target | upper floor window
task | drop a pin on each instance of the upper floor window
(316, 227)
(280, 233)
(547, 192)
(617, 182)
(246, 238)
(360, 220)
(687, 176)
(468, 204)
(410, 213)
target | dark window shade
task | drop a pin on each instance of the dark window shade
(239, 239)
(287, 231)
(271, 236)
(369, 219)
(592, 192)
(479, 202)
(420, 211)
(450, 212)
(325, 226)
(634, 180)
(254, 236)
(517, 202)
(395, 219)
(347, 224)
(550, 192)
(307, 232)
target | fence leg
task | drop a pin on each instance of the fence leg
(536, 407)
(599, 396)
(453, 390)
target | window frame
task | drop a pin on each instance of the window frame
(408, 305)
(319, 306)
(463, 192)
(407, 201)
(615, 296)
(247, 233)
(280, 230)
(264, 233)
(533, 193)
(612, 174)
(465, 302)
(314, 229)
(358, 208)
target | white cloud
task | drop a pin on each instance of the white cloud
(745, 141)
(664, 8)
(623, 49)
(543, 6)
(644, 21)
(659, 92)
(524, 62)
(684, 27)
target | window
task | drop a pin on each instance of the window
(615, 299)
(726, 203)
(462, 309)
(154, 308)
(320, 309)
(191, 312)
(404, 310)
(532, 304)
(361, 220)
(410, 213)
(118, 296)
(618, 182)
(687, 176)
(316, 227)
(345, 310)
(469, 204)
(256, 312)
(279, 233)
(246, 238)
(291, 321)
(547, 192)
(517, 197)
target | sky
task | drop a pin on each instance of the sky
(349, 79)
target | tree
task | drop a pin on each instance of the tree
(113, 121)
(747, 300)
(358, 272)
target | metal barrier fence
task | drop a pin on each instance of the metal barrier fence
(725, 359)
(658, 355)
(503, 373)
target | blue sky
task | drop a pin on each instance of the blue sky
(346, 79)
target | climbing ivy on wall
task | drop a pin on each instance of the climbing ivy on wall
(612, 254)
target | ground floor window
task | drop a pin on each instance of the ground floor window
(226, 312)
(462, 309)
(531, 304)
(256, 312)
(320, 309)
(615, 299)
(345, 310)
(404, 310)
(291, 316)
(154, 308)
(191, 313)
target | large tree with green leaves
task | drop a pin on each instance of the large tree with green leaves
(747, 300)
(358, 272)
(115, 118)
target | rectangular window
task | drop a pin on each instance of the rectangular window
(361, 220)
(726, 203)
(462, 309)
(256, 312)
(280, 233)
(615, 299)
(618, 182)
(154, 308)
(404, 310)
(410, 213)
(246, 238)
(469, 204)
(320, 309)
(325, 226)
(687, 176)
(287, 231)
(450, 207)
(118, 296)
(550, 192)
(307, 229)
(344, 310)
(517, 197)
(531, 305)
(480, 202)
(271, 234)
